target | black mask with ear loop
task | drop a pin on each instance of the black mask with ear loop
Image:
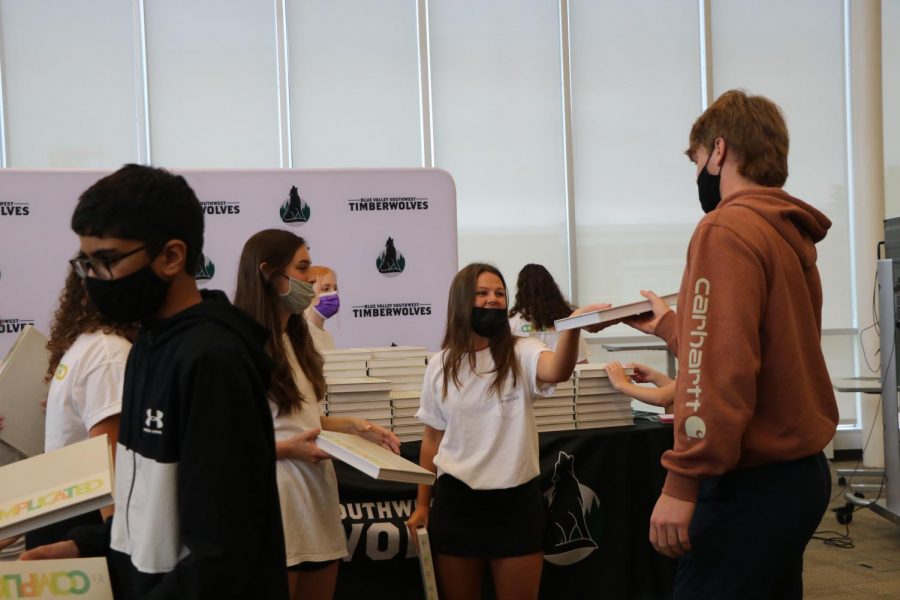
(488, 322)
(709, 187)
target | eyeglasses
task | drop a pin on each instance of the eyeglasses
(100, 266)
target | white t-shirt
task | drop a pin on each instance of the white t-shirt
(522, 328)
(321, 338)
(86, 388)
(489, 442)
(310, 509)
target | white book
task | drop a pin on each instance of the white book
(407, 386)
(51, 487)
(409, 437)
(344, 365)
(409, 429)
(603, 407)
(568, 384)
(378, 363)
(599, 424)
(554, 401)
(79, 577)
(373, 460)
(556, 427)
(357, 384)
(345, 373)
(547, 411)
(339, 407)
(417, 379)
(611, 315)
(595, 371)
(403, 403)
(554, 419)
(405, 412)
(403, 421)
(603, 415)
(596, 384)
(426, 564)
(345, 354)
(22, 389)
(392, 372)
(601, 396)
(368, 415)
(374, 396)
(393, 352)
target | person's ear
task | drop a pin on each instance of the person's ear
(170, 261)
(719, 151)
(265, 270)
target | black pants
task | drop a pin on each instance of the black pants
(750, 530)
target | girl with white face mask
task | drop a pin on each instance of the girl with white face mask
(325, 305)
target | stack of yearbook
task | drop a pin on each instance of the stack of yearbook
(403, 366)
(364, 397)
(345, 363)
(556, 413)
(597, 402)
(405, 405)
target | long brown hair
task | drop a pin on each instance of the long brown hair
(538, 298)
(458, 340)
(259, 299)
(75, 315)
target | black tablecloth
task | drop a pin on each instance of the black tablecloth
(601, 485)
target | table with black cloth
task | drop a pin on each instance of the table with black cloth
(601, 486)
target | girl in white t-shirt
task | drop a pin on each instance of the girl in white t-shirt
(274, 287)
(538, 303)
(86, 373)
(481, 440)
(325, 305)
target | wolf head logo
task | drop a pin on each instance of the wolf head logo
(571, 505)
(390, 260)
(294, 209)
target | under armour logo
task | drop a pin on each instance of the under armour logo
(154, 417)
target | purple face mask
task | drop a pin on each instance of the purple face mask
(328, 306)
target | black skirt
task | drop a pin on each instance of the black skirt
(487, 523)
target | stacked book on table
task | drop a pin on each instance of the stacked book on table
(597, 402)
(404, 367)
(364, 397)
(350, 362)
(557, 412)
(405, 406)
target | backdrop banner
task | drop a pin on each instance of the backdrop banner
(389, 234)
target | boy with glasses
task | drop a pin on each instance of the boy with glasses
(197, 511)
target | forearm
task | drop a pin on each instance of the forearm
(654, 395)
(340, 424)
(430, 442)
(562, 361)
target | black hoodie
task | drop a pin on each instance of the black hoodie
(197, 512)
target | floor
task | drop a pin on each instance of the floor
(870, 570)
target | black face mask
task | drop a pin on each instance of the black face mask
(129, 299)
(488, 322)
(708, 188)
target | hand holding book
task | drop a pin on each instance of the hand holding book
(377, 435)
(301, 447)
(647, 322)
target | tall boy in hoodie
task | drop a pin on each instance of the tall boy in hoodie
(197, 511)
(747, 481)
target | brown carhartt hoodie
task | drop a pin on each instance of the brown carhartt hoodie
(752, 385)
